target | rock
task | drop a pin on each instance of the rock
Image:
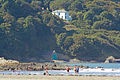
(12, 62)
(111, 59)
(58, 61)
(86, 67)
(81, 66)
(74, 61)
(99, 67)
(7, 62)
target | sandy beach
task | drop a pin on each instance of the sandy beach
(41, 77)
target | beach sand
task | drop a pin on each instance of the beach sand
(42, 77)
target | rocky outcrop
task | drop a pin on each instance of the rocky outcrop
(58, 61)
(8, 62)
(74, 61)
(111, 59)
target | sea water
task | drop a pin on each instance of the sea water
(104, 65)
(109, 69)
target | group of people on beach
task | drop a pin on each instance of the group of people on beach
(76, 69)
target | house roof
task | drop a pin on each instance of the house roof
(60, 11)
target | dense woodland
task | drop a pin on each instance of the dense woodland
(27, 28)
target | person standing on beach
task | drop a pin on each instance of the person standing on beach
(46, 68)
(75, 69)
(42, 67)
(68, 69)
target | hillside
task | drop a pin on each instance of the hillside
(29, 30)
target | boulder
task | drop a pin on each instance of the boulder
(111, 59)
(74, 60)
(7, 62)
(58, 61)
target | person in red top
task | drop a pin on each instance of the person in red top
(67, 69)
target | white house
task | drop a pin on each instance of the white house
(62, 14)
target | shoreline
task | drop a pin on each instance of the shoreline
(82, 72)
(60, 75)
(42, 77)
(58, 70)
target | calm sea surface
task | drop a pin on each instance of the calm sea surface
(104, 65)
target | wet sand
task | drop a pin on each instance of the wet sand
(42, 77)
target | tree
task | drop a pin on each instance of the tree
(76, 6)
(105, 24)
(68, 42)
(37, 5)
(18, 8)
(8, 18)
(1, 19)
(60, 38)
(46, 3)
(107, 15)
(88, 15)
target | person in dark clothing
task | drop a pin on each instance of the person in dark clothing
(77, 70)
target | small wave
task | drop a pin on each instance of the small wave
(82, 72)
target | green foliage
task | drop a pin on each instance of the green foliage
(1, 19)
(18, 8)
(107, 15)
(75, 5)
(105, 24)
(60, 38)
(93, 45)
(8, 18)
(27, 29)
(37, 5)
(88, 15)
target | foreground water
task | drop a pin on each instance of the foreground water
(109, 69)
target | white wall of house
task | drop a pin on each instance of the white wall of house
(62, 14)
